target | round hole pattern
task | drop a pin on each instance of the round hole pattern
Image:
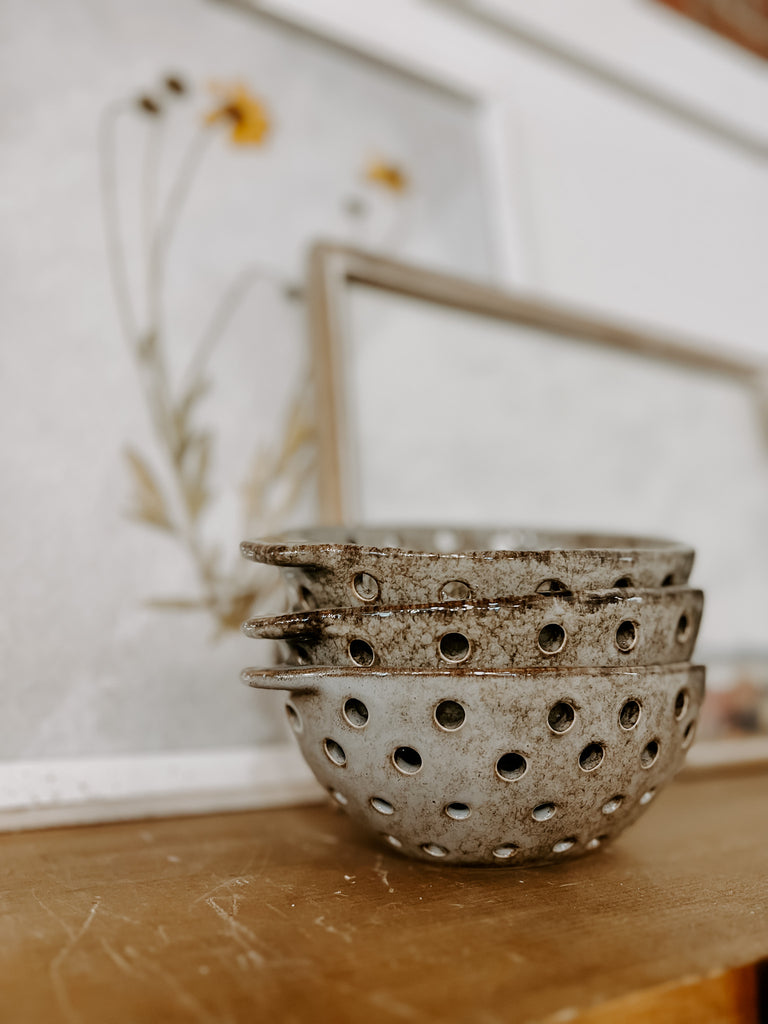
(338, 797)
(683, 628)
(294, 718)
(552, 587)
(361, 652)
(647, 796)
(690, 732)
(626, 635)
(365, 586)
(300, 654)
(334, 752)
(505, 851)
(622, 582)
(563, 845)
(454, 647)
(668, 580)
(592, 844)
(455, 590)
(450, 715)
(382, 806)
(681, 703)
(356, 713)
(511, 766)
(393, 841)
(591, 757)
(629, 715)
(407, 760)
(307, 598)
(551, 638)
(434, 849)
(561, 717)
(649, 754)
(543, 812)
(457, 811)
(612, 805)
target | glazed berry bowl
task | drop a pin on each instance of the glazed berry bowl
(615, 628)
(335, 567)
(519, 768)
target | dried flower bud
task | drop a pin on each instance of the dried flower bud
(148, 105)
(175, 84)
(354, 206)
(293, 292)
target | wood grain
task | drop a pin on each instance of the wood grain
(293, 915)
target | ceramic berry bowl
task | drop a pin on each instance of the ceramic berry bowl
(335, 567)
(612, 628)
(521, 767)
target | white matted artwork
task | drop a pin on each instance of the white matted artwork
(455, 403)
(165, 187)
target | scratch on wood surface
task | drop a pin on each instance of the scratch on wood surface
(55, 967)
(346, 935)
(143, 966)
(241, 934)
(378, 869)
(238, 880)
(393, 1007)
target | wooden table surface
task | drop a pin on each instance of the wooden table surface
(293, 915)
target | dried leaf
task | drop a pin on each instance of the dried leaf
(194, 472)
(149, 503)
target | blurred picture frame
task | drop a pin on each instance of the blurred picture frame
(398, 350)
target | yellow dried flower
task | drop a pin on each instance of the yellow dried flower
(387, 175)
(247, 114)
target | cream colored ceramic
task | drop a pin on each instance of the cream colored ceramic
(337, 567)
(514, 768)
(611, 628)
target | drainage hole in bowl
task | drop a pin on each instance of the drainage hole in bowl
(382, 806)
(647, 796)
(356, 713)
(457, 811)
(649, 754)
(455, 590)
(334, 752)
(551, 638)
(681, 704)
(454, 647)
(365, 586)
(307, 598)
(622, 582)
(629, 715)
(591, 757)
(563, 845)
(361, 652)
(683, 628)
(552, 587)
(612, 805)
(506, 851)
(688, 735)
(301, 654)
(434, 850)
(393, 841)
(543, 812)
(561, 717)
(450, 715)
(626, 635)
(668, 580)
(338, 797)
(294, 718)
(407, 760)
(592, 844)
(511, 767)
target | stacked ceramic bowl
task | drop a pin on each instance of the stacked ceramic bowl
(486, 696)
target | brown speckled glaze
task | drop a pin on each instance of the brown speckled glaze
(411, 565)
(610, 628)
(513, 768)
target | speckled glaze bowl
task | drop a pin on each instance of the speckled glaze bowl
(522, 767)
(614, 628)
(335, 567)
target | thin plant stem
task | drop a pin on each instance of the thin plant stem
(149, 184)
(225, 309)
(118, 271)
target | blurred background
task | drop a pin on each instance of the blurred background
(165, 169)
